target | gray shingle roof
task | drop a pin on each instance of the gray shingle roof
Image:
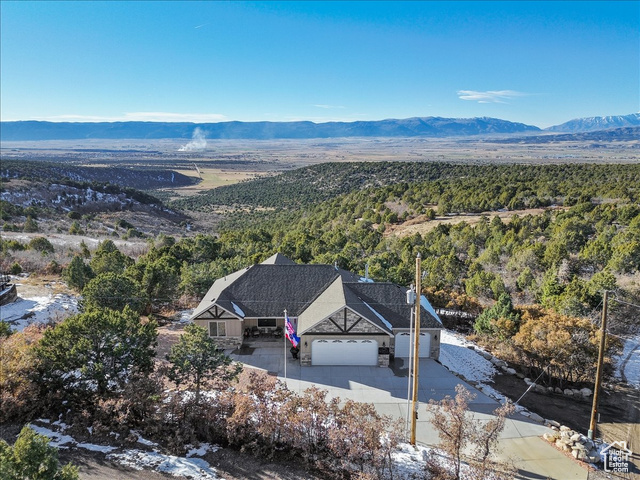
(389, 300)
(267, 289)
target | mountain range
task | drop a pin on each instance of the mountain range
(409, 127)
(591, 124)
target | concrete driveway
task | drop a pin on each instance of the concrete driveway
(386, 388)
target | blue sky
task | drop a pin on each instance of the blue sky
(540, 63)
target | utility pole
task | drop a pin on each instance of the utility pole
(596, 391)
(416, 351)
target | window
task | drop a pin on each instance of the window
(266, 322)
(217, 329)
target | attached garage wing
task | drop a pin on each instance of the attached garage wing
(344, 352)
(404, 346)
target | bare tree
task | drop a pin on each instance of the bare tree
(459, 433)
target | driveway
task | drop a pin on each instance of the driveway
(387, 389)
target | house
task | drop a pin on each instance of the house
(340, 317)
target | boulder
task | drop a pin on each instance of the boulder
(557, 390)
(551, 437)
(575, 437)
(568, 392)
(511, 371)
(528, 381)
(540, 389)
(536, 417)
(486, 355)
(576, 392)
(586, 392)
(520, 375)
(553, 423)
(564, 428)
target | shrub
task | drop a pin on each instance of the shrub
(16, 269)
(41, 244)
(31, 457)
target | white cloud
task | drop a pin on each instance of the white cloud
(140, 117)
(490, 96)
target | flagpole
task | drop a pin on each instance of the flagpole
(285, 350)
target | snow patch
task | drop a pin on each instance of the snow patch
(382, 319)
(202, 450)
(238, 310)
(29, 310)
(464, 361)
(176, 466)
(429, 308)
(627, 364)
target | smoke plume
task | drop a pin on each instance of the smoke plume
(198, 142)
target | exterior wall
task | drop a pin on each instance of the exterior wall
(234, 331)
(307, 340)
(253, 322)
(337, 326)
(435, 340)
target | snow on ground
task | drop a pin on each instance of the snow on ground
(138, 459)
(409, 462)
(464, 361)
(185, 315)
(38, 309)
(628, 362)
(456, 355)
(176, 466)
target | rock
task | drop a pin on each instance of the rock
(486, 355)
(540, 389)
(550, 389)
(564, 428)
(550, 437)
(557, 390)
(553, 423)
(528, 381)
(511, 371)
(586, 392)
(579, 453)
(520, 375)
(471, 347)
(576, 392)
(568, 392)
(575, 437)
(535, 417)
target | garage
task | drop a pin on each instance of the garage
(403, 345)
(344, 352)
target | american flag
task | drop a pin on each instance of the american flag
(290, 331)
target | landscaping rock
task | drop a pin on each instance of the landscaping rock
(540, 389)
(586, 392)
(568, 392)
(551, 437)
(511, 371)
(520, 375)
(557, 390)
(553, 423)
(536, 417)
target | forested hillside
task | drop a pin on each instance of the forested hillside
(455, 187)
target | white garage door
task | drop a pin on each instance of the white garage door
(344, 352)
(403, 345)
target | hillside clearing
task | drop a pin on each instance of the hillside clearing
(422, 225)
